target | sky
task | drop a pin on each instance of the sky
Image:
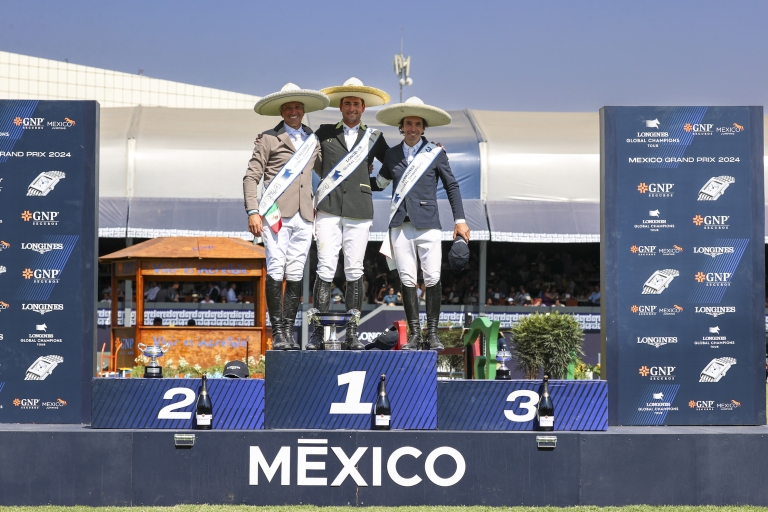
(514, 55)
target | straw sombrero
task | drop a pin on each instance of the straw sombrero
(372, 96)
(413, 106)
(269, 105)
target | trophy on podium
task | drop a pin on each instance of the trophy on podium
(502, 356)
(331, 320)
(153, 370)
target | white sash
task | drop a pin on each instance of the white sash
(412, 174)
(290, 171)
(347, 165)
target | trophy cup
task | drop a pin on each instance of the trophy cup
(502, 356)
(333, 320)
(153, 370)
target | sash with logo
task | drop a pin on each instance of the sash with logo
(282, 180)
(412, 174)
(347, 165)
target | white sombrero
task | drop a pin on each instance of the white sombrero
(372, 96)
(413, 106)
(269, 105)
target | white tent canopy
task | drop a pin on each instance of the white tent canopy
(168, 172)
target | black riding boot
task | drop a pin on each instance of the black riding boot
(274, 290)
(411, 306)
(434, 295)
(291, 301)
(322, 302)
(353, 298)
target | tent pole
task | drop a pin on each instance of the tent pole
(482, 274)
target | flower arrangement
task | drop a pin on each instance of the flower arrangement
(182, 369)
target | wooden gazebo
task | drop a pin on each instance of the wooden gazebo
(185, 259)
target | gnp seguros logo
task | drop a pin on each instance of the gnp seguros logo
(41, 218)
(714, 278)
(657, 372)
(698, 128)
(42, 276)
(656, 189)
(711, 221)
(29, 123)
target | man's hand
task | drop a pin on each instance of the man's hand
(254, 224)
(461, 230)
(438, 144)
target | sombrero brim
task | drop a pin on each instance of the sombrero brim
(269, 105)
(392, 114)
(372, 96)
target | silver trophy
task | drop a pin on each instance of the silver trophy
(153, 370)
(331, 320)
(502, 356)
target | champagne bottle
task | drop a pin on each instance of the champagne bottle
(381, 413)
(204, 412)
(546, 410)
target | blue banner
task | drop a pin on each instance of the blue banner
(683, 265)
(48, 180)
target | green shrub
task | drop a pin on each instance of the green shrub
(550, 341)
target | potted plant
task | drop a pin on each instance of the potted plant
(549, 341)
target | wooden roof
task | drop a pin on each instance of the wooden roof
(190, 247)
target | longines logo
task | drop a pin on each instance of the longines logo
(714, 278)
(656, 341)
(714, 251)
(712, 221)
(30, 123)
(656, 189)
(42, 248)
(42, 276)
(4, 245)
(654, 222)
(42, 308)
(698, 128)
(730, 130)
(41, 218)
(61, 125)
(715, 311)
(658, 372)
(702, 405)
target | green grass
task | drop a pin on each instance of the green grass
(243, 508)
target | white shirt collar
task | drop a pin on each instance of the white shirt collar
(290, 131)
(412, 150)
(350, 129)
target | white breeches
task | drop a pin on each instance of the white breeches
(335, 233)
(287, 249)
(410, 243)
